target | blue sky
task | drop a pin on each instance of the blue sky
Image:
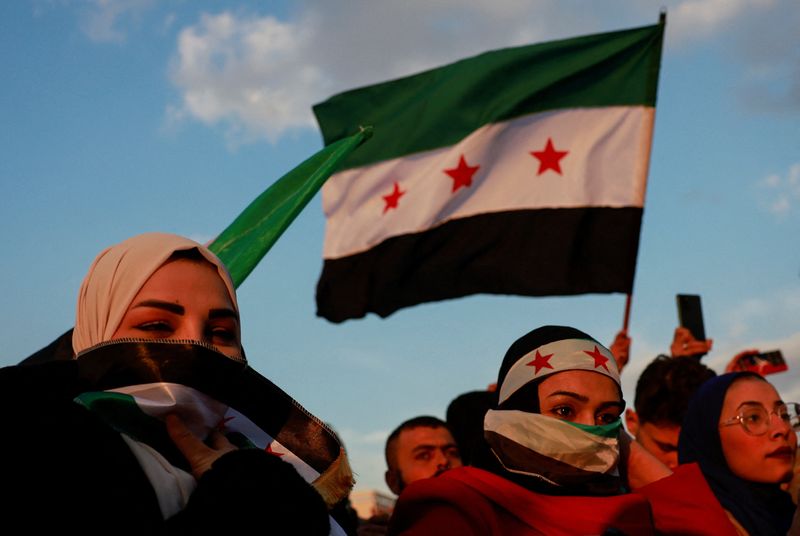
(125, 116)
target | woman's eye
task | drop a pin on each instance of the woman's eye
(563, 412)
(223, 336)
(606, 418)
(155, 327)
(753, 418)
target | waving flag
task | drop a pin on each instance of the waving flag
(243, 244)
(518, 171)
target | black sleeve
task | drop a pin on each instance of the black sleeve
(252, 490)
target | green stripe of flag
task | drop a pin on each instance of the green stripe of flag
(437, 108)
(122, 413)
(245, 241)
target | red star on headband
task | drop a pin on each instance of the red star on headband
(540, 361)
(599, 359)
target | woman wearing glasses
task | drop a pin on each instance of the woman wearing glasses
(742, 435)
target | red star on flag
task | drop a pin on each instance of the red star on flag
(269, 450)
(393, 198)
(462, 174)
(599, 359)
(223, 422)
(540, 361)
(549, 158)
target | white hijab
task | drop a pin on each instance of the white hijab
(116, 276)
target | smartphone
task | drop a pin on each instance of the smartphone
(690, 316)
(763, 363)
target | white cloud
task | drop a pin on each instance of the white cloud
(697, 19)
(247, 73)
(258, 75)
(746, 319)
(781, 192)
(767, 48)
(103, 21)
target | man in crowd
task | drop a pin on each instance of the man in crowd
(419, 448)
(662, 395)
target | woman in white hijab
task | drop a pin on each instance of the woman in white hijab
(146, 430)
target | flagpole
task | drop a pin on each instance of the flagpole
(627, 312)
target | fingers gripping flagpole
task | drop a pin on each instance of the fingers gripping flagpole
(243, 244)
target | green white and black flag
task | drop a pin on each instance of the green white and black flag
(517, 171)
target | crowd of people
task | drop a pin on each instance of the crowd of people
(146, 419)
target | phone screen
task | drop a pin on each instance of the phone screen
(690, 316)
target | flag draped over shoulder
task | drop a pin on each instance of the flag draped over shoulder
(518, 171)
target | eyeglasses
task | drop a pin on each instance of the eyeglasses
(755, 419)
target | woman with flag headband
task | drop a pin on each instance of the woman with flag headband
(556, 460)
(158, 426)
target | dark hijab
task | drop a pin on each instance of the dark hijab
(526, 399)
(761, 509)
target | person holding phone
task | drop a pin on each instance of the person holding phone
(684, 344)
(743, 437)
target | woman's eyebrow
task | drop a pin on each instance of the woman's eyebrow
(757, 403)
(158, 304)
(610, 403)
(223, 313)
(569, 394)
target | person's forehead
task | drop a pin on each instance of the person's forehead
(411, 438)
(582, 382)
(178, 275)
(754, 390)
(661, 432)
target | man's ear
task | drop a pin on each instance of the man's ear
(632, 422)
(392, 478)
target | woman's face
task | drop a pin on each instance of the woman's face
(184, 299)
(767, 458)
(580, 396)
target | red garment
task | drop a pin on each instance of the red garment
(469, 501)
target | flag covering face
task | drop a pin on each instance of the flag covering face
(135, 383)
(518, 171)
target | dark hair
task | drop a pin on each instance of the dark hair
(465, 415)
(191, 254)
(425, 421)
(665, 386)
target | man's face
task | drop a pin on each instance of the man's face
(422, 452)
(661, 439)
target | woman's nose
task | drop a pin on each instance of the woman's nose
(188, 330)
(779, 429)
